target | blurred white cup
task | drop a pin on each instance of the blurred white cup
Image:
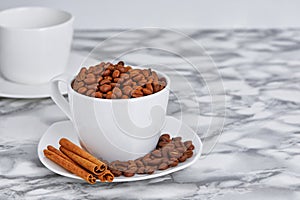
(35, 43)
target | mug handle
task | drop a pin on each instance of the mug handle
(56, 95)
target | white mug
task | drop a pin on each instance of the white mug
(114, 129)
(35, 43)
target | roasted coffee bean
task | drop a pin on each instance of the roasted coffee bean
(173, 162)
(116, 74)
(121, 69)
(82, 90)
(108, 78)
(142, 82)
(127, 68)
(92, 86)
(154, 74)
(89, 92)
(191, 147)
(189, 153)
(165, 137)
(90, 80)
(124, 76)
(106, 72)
(105, 88)
(124, 97)
(98, 95)
(134, 73)
(138, 77)
(162, 144)
(128, 174)
(180, 149)
(78, 85)
(182, 158)
(82, 73)
(105, 81)
(116, 91)
(140, 170)
(128, 82)
(146, 72)
(187, 144)
(146, 161)
(91, 69)
(110, 95)
(178, 144)
(139, 163)
(137, 93)
(149, 170)
(163, 166)
(156, 153)
(156, 87)
(127, 90)
(98, 70)
(174, 154)
(155, 161)
(116, 173)
(146, 91)
(165, 152)
(121, 63)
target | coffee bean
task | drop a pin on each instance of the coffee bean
(78, 85)
(182, 158)
(92, 86)
(105, 88)
(89, 92)
(82, 90)
(189, 153)
(146, 91)
(106, 72)
(105, 81)
(117, 92)
(140, 170)
(98, 95)
(82, 73)
(139, 163)
(149, 170)
(138, 77)
(191, 147)
(90, 80)
(124, 76)
(128, 174)
(137, 93)
(163, 166)
(156, 153)
(116, 74)
(115, 172)
(124, 97)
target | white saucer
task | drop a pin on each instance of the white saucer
(17, 90)
(66, 129)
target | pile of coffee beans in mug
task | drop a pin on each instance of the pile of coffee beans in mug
(109, 81)
(168, 153)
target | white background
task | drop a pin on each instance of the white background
(175, 14)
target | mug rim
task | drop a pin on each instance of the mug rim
(167, 87)
(70, 18)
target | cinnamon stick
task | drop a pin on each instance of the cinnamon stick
(71, 167)
(92, 167)
(58, 152)
(67, 144)
(106, 176)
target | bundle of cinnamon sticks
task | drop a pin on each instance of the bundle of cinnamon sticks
(79, 162)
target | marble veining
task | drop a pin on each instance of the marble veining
(256, 157)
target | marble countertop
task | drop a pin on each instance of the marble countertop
(257, 155)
